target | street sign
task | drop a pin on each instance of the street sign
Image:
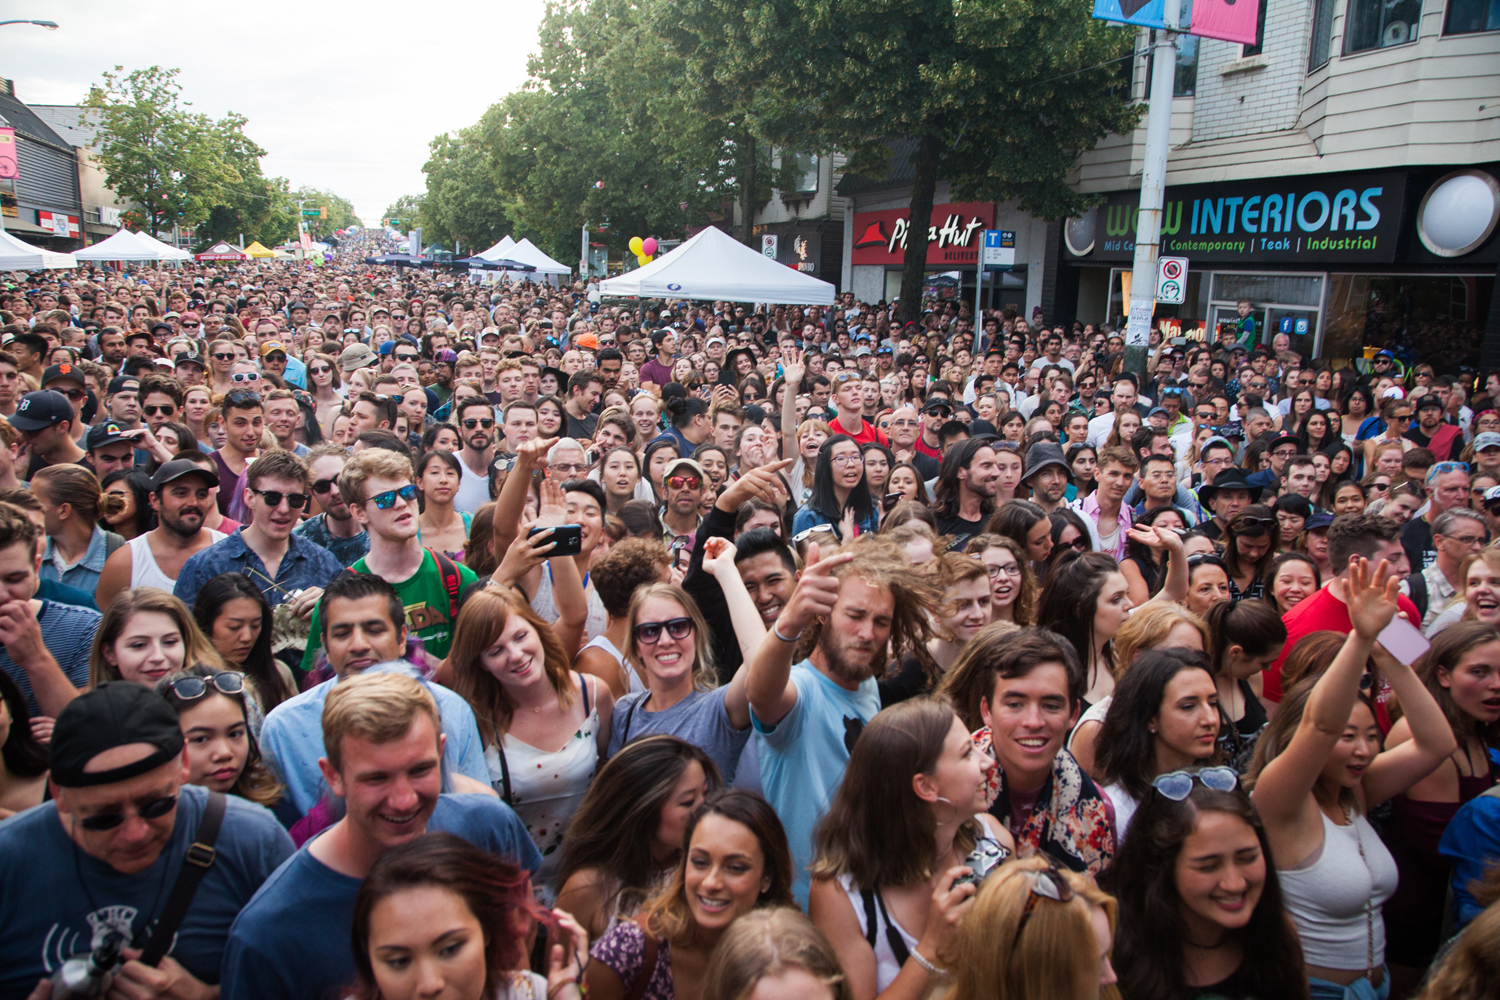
(768, 245)
(998, 252)
(311, 213)
(1171, 280)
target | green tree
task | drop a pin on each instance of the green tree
(463, 205)
(175, 163)
(998, 97)
(340, 210)
(405, 213)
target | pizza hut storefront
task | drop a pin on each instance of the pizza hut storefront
(878, 251)
(1399, 259)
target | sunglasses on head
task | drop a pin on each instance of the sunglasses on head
(387, 500)
(153, 809)
(228, 682)
(1178, 785)
(273, 498)
(1049, 883)
(648, 633)
(241, 397)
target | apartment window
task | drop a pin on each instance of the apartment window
(1467, 16)
(1379, 24)
(1260, 32)
(1185, 79)
(1322, 34)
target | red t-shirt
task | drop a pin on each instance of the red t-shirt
(868, 432)
(1318, 613)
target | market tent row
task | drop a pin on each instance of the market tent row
(18, 255)
(526, 252)
(714, 265)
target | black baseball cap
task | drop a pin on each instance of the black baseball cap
(178, 468)
(64, 372)
(103, 434)
(41, 409)
(122, 382)
(116, 714)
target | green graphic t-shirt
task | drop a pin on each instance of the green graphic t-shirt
(425, 599)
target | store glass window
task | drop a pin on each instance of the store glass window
(1467, 16)
(1287, 304)
(1379, 24)
(1322, 34)
(1185, 81)
(1260, 34)
(1435, 318)
(805, 170)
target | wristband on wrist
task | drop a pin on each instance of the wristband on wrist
(931, 969)
(776, 631)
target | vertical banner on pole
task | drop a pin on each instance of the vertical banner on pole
(10, 167)
(1229, 20)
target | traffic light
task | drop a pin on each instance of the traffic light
(323, 212)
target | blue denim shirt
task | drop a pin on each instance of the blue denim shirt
(304, 565)
(84, 574)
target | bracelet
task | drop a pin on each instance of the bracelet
(776, 631)
(931, 969)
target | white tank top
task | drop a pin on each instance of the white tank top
(473, 489)
(545, 605)
(1335, 899)
(886, 966)
(632, 679)
(144, 572)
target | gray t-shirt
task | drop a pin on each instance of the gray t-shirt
(700, 719)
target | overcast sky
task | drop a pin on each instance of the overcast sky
(343, 96)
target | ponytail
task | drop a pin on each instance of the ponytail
(78, 488)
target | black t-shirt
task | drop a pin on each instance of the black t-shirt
(582, 430)
(907, 682)
(1416, 539)
(960, 530)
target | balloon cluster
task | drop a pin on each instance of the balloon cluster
(644, 249)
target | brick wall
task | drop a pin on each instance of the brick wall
(1262, 98)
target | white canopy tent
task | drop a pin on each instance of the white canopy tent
(499, 250)
(18, 255)
(125, 245)
(714, 265)
(527, 252)
(172, 252)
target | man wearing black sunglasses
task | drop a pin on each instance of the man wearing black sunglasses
(122, 820)
(286, 568)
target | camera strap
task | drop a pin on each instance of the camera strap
(195, 864)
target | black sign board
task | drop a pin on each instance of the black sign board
(1318, 219)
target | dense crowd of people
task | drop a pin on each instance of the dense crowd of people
(373, 633)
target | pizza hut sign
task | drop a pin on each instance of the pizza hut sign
(953, 236)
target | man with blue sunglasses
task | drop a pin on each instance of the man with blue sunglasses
(377, 486)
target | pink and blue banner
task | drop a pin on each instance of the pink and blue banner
(1229, 20)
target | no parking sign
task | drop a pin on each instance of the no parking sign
(1171, 280)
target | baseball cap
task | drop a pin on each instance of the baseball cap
(103, 434)
(122, 382)
(1486, 439)
(112, 715)
(178, 468)
(1318, 521)
(40, 410)
(861, 351)
(1429, 402)
(188, 358)
(678, 463)
(1158, 409)
(272, 345)
(714, 340)
(64, 372)
(447, 356)
(1492, 495)
(389, 347)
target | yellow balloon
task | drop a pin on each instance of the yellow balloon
(636, 245)
(642, 259)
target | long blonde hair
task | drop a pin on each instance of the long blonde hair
(142, 600)
(486, 616)
(1054, 956)
(704, 677)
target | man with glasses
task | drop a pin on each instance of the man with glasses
(377, 486)
(1457, 534)
(161, 400)
(284, 567)
(182, 497)
(475, 418)
(68, 379)
(683, 483)
(1447, 487)
(1283, 448)
(46, 420)
(123, 818)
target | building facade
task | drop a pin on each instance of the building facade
(44, 204)
(79, 127)
(1343, 175)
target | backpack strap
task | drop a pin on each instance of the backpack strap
(648, 962)
(1416, 585)
(112, 542)
(451, 580)
(195, 864)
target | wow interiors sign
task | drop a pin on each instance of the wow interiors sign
(1333, 219)
(953, 236)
